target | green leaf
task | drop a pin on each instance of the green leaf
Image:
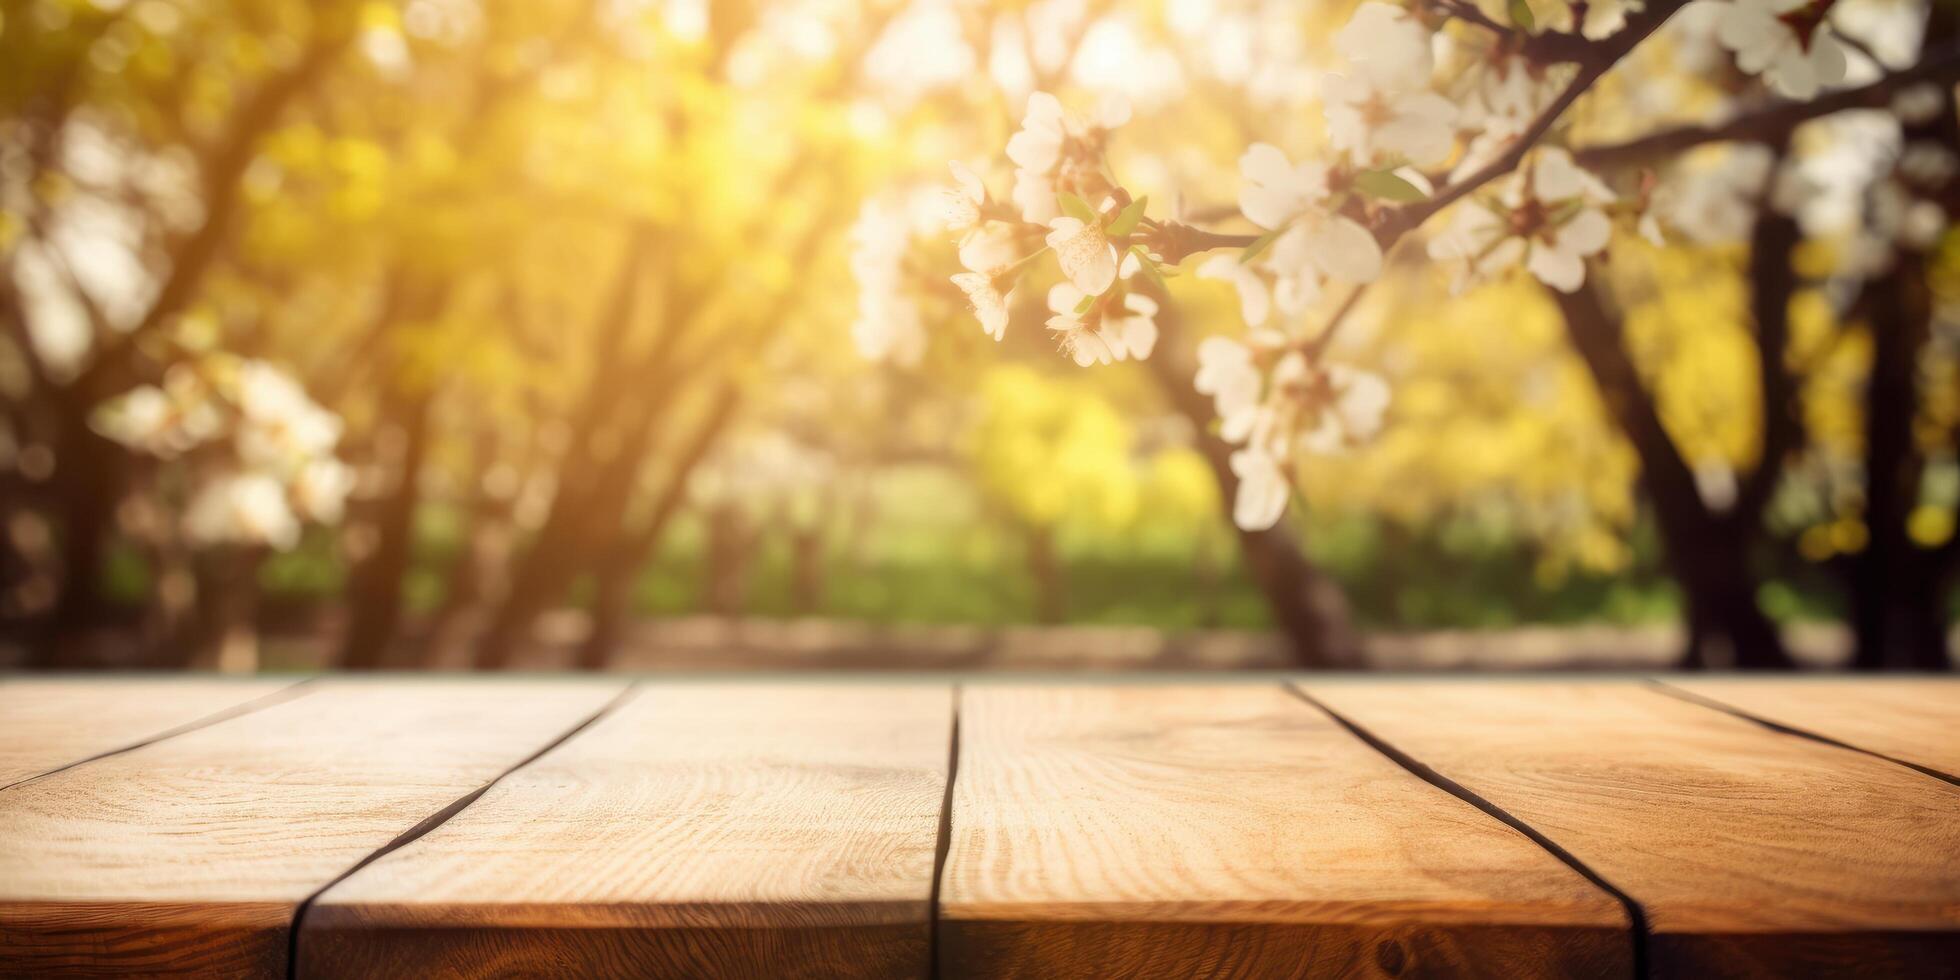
(1150, 267)
(1126, 220)
(1077, 208)
(1083, 307)
(1387, 186)
(1520, 11)
(1258, 245)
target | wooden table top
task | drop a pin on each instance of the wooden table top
(1309, 826)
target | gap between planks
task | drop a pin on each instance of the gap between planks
(437, 819)
(1784, 728)
(943, 847)
(291, 691)
(1639, 927)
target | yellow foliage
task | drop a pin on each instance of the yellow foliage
(1047, 451)
(1493, 416)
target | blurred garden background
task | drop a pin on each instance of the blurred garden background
(528, 334)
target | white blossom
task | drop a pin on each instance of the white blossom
(163, 421)
(280, 428)
(1295, 407)
(1375, 125)
(320, 490)
(1604, 18)
(1509, 95)
(1927, 164)
(989, 249)
(983, 295)
(1050, 146)
(889, 326)
(242, 509)
(1711, 197)
(1086, 255)
(1272, 191)
(1034, 194)
(1386, 47)
(1262, 493)
(1277, 195)
(1785, 41)
(962, 202)
(1355, 415)
(889, 329)
(1086, 336)
(1903, 218)
(1136, 324)
(1333, 246)
(1037, 146)
(1917, 105)
(1227, 374)
(1549, 219)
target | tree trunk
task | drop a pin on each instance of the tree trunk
(374, 591)
(627, 551)
(1045, 571)
(807, 569)
(88, 473)
(225, 638)
(1899, 625)
(728, 560)
(612, 605)
(1898, 594)
(472, 579)
(1727, 629)
(1708, 553)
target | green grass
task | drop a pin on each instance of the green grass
(934, 556)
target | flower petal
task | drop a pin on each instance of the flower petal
(1344, 250)
(1262, 491)
(1587, 233)
(1562, 271)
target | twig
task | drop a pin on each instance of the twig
(1471, 15)
(1318, 345)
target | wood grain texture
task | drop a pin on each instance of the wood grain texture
(190, 854)
(1915, 719)
(47, 724)
(698, 831)
(1235, 831)
(1754, 853)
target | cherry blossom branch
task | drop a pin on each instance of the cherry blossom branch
(1771, 123)
(1573, 47)
(1176, 241)
(1398, 224)
(1601, 59)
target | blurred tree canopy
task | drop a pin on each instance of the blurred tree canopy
(577, 282)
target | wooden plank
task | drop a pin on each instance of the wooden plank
(698, 831)
(49, 723)
(1754, 853)
(191, 854)
(1151, 831)
(1914, 719)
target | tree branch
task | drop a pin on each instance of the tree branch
(108, 372)
(1595, 332)
(1771, 123)
(1598, 58)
